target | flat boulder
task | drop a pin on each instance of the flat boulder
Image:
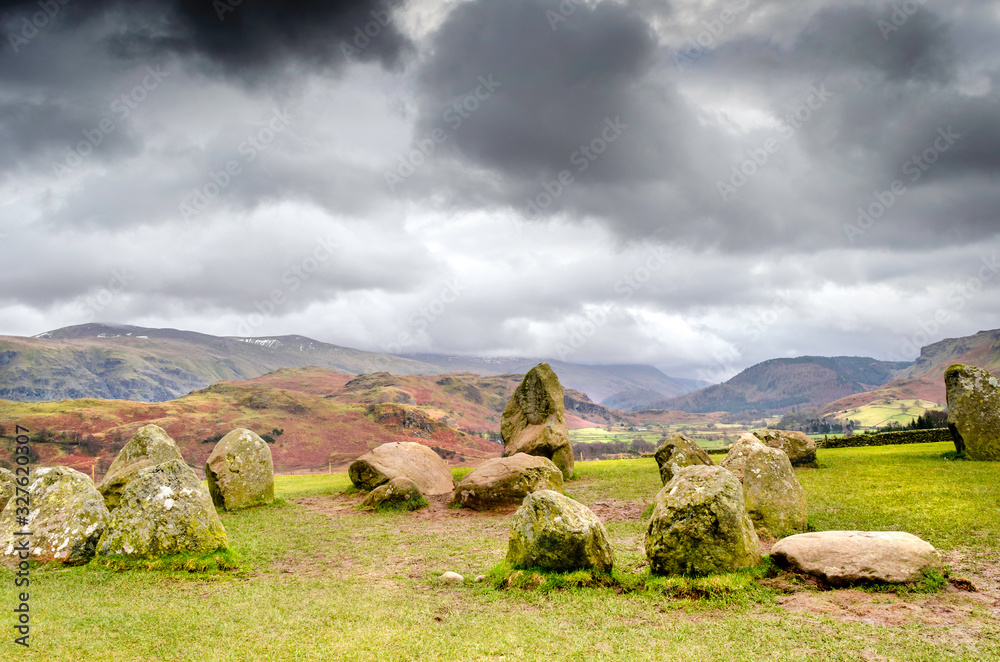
(66, 518)
(240, 471)
(974, 411)
(798, 446)
(736, 458)
(400, 492)
(534, 420)
(842, 558)
(700, 525)
(402, 458)
(505, 481)
(678, 451)
(150, 446)
(774, 499)
(8, 485)
(553, 532)
(163, 510)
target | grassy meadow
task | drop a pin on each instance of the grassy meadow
(323, 581)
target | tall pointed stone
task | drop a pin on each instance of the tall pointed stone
(534, 421)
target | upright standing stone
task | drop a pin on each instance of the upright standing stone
(67, 517)
(163, 510)
(736, 458)
(678, 451)
(240, 471)
(974, 411)
(553, 532)
(150, 445)
(700, 525)
(775, 501)
(534, 421)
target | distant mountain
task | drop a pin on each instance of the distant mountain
(154, 365)
(634, 399)
(597, 381)
(780, 384)
(924, 378)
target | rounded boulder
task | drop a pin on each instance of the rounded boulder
(678, 451)
(240, 471)
(151, 445)
(553, 532)
(505, 481)
(66, 518)
(775, 501)
(700, 526)
(402, 458)
(164, 510)
(400, 492)
(798, 446)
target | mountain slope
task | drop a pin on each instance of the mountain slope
(154, 365)
(778, 384)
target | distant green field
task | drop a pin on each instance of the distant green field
(714, 437)
(881, 414)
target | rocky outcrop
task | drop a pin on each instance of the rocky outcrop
(847, 557)
(534, 421)
(678, 451)
(700, 526)
(774, 499)
(798, 446)
(553, 532)
(66, 518)
(399, 493)
(505, 481)
(403, 458)
(150, 446)
(974, 411)
(163, 510)
(240, 471)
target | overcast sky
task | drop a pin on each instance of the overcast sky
(677, 183)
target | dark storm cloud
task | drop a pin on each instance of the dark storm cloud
(246, 38)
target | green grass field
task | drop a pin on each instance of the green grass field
(323, 581)
(881, 414)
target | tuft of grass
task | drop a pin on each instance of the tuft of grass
(402, 506)
(219, 561)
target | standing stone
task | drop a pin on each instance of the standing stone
(400, 492)
(150, 446)
(553, 532)
(700, 525)
(774, 499)
(974, 411)
(798, 446)
(534, 421)
(505, 481)
(678, 451)
(845, 557)
(163, 510)
(240, 471)
(8, 485)
(736, 458)
(67, 517)
(402, 458)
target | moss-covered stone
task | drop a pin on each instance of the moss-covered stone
(7, 487)
(240, 471)
(534, 420)
(150, 445)
(66, 518)
(678, 451)
(774, 499)
(553, 532)
(974, 411)
(798, 446)
(505, 481)
(400, 492)
(163, 510)
(402, 458)
(699, 525)
(736, 458)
